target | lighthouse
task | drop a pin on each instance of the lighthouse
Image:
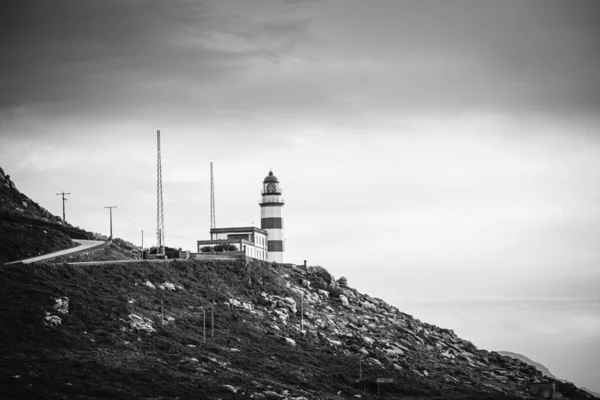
(271, 218)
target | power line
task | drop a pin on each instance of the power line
(63, 194)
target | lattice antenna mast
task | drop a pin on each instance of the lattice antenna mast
(212, 198)
(160, 216)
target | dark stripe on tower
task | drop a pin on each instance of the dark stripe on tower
(271, 223)
(275, 245)
(271, 204)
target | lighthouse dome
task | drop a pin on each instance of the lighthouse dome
(271, 178)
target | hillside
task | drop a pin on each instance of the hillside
(96, 332)
(29, 230)
(526, 360)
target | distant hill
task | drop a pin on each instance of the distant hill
(541, 368)
(27, 229)
(526, 360)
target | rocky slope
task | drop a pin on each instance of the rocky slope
(526, 360)
(541, 368)
(27, 229)
(136, 330)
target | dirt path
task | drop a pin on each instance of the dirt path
(83, 245)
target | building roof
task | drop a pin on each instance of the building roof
(271, 178)
(237, 230)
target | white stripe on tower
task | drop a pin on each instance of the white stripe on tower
(271, 220)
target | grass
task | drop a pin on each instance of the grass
(91, 356)
(21, 241)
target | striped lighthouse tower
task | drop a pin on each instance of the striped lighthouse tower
(271, 218)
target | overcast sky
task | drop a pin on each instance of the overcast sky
(442, 155)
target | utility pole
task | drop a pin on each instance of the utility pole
(110, 208)
(63, 194)
(160, 216)
(212, 201)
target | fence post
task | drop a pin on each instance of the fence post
(302, 313)
(203, 325)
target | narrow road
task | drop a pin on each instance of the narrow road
(84, 245)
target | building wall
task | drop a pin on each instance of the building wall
(245, 247)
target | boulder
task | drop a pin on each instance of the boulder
(140, 323)
(344, 300)
(291, 303)
(235, 303)
(167, 286)
(375, 361)
(149, 284)
(52, 320)
(231, 389)
(289, 341)
(61, 305)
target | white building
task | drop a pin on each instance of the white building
(265, 243)
(250, 241)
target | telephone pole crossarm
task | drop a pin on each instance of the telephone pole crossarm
(63, 194)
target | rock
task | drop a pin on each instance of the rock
(367, 305)
(368, 340)
(323, 293)
(230, 388)
(397, 367)
(235, 303)
(364, 351)
(291, 303)
(305, 283)
(52, 320)
(61, 305)
(425, 373)
(140, 323)
(391, 353)
(167, 285)
(247, 306)
(150, 284)
(291, 342)
(344, 300)
(375, 361)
